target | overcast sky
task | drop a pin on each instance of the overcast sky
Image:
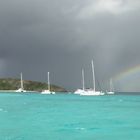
(62, 36)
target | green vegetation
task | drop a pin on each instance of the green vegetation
(14, 84)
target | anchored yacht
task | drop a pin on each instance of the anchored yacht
(80, 91)
(21, 89)
(92, 92)
(111, 88)
(48, 91)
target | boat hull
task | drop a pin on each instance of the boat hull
(92, 93)
(47, 92)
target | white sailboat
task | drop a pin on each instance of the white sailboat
(48, 91)
(111, 88)
(92, 92)
(80, 91)
(21, 89)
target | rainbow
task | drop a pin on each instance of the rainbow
(129, 79)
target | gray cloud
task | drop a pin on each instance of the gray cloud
(63, 36)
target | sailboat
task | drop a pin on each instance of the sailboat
(21, 89)
(48, 91)
(92, 92)
(80, 91)
(111, 88)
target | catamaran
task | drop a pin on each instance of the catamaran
(21, 89)
(111, 88)
(48, 91)
(80, 91)
(92, 92)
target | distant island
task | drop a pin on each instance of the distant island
(14, 84)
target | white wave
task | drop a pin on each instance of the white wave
(80, 128)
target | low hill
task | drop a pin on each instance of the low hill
(14, 84)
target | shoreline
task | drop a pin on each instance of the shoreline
(14, 91)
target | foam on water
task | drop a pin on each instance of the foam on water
(1, 109)
(78, 128)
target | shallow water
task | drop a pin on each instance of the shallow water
(69, 117)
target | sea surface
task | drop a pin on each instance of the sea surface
(69, 117)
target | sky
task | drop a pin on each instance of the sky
(63, 36)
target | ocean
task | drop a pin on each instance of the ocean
(69, 117)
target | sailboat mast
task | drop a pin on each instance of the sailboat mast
(111, 85)
(83, 79)
(48, 81)
(93, 74)
(21, 81)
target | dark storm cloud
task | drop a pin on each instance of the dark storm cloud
(63, 36)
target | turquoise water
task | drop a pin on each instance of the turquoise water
(69, 117)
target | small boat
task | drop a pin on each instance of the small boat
(21, 89)
(48, 91)
(111, 88)
(92, 92)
